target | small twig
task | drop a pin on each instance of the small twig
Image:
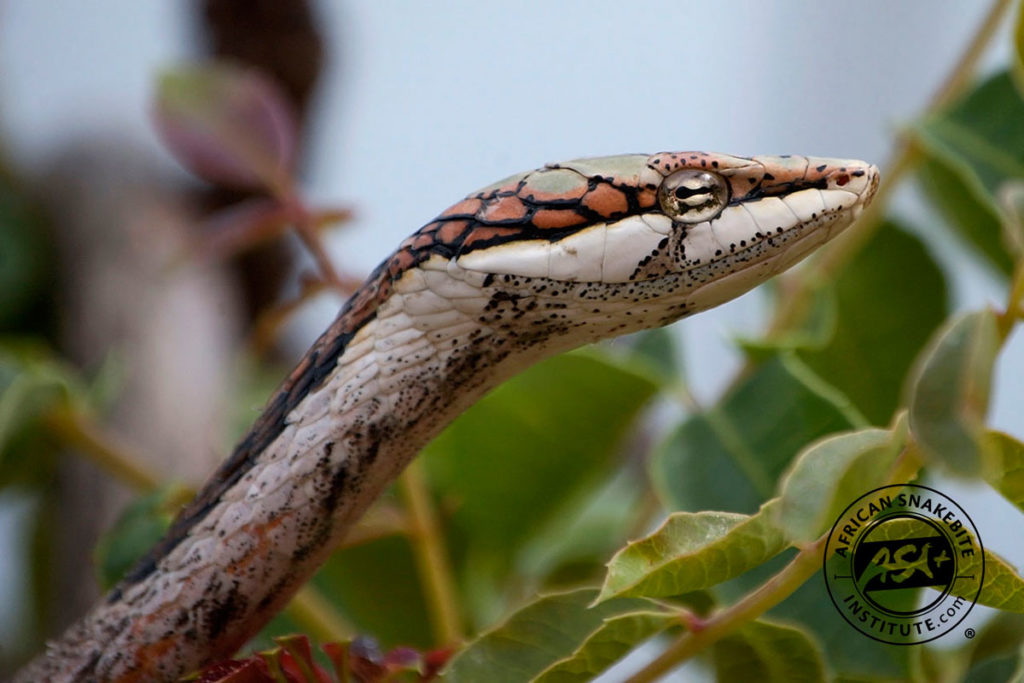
(431, 557)
(383, 520)
(906, 156)
(321, 621)
(801, 568)
(308, 227)
(102, 448)
(1014, 302)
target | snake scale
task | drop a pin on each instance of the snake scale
(533, 265)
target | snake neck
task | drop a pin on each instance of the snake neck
(442, 338)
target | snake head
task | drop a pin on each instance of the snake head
(610, 245)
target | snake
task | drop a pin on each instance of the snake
(533, 265)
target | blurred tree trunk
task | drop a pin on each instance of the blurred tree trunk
(130, 286)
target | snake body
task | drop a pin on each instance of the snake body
(533, 265)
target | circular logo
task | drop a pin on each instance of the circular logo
(904, 564)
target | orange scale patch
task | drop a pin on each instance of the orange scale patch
(548, 219)
(419, 241)
(647, 198)
(739, 186)
(606, 200)
(467, 207)
(256, 552)
(147, 658)
(451, 231)
(670, 162)
(484, 234)
(784, 177)
(503, 209)
(401, 260)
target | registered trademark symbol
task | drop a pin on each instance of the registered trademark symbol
(969, 633)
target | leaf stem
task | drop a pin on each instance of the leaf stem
(318, 618)
(431, 557)
(306, 228)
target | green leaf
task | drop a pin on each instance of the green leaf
(1002, 635)
(1003, 468)
(692, 551)
(830, 474)
(227, 124)
(814, 330)
(581, 539)
(527, 455)
(888, 300)
(658, 348)
(605, 646)
(930, 664)
(730, 456)
(33, 383)
(950, 393)
(25, 259)
(973, 148)
(541, 435)
(1003, 587)
(765, 651)
(1011, 198)
(976, 221)
(139, 526)
(537, 636)
(376, 587)
(850, 656)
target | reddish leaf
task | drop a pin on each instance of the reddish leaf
(273, 660)
(297, 660)
(242, 226)
(361, 661)
(366, 660)
(434, 661)
(229, 125)
(255, 221)
(252, 670)
(338, 654)
(403, 659)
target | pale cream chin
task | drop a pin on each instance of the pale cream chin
(727, 287)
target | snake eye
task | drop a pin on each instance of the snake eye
(692, 196)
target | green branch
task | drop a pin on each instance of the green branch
(431, 557)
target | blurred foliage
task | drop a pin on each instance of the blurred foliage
(545, 479)
(25, 261)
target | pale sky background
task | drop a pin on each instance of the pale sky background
(421, 103)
